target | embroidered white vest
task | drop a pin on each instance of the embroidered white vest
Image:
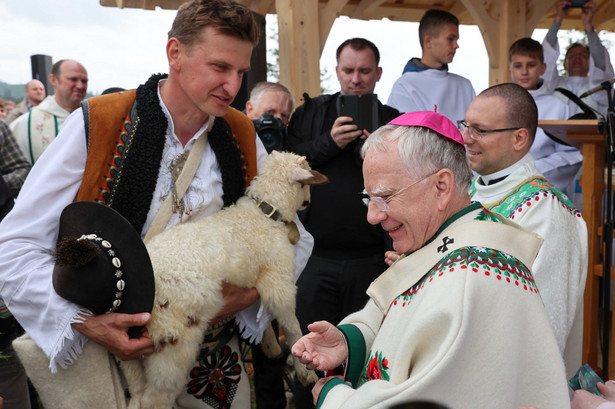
(42, 130)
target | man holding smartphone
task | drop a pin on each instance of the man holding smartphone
(348, 252)
(587, 65)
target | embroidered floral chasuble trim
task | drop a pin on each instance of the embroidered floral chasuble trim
(525, 195)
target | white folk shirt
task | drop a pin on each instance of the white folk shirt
(560, 268)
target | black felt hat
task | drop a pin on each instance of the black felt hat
(102, 263)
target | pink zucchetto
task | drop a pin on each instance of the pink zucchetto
(432, 120)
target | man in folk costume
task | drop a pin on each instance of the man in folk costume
(458, 315)
(498, 131)
(126, 150)
(36, 130)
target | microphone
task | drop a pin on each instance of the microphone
(606, 85)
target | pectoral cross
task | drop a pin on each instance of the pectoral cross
(445, 242)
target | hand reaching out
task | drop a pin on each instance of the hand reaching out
(561, 10)
(587, 15)
(324, 348)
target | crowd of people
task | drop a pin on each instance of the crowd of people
(442, 266)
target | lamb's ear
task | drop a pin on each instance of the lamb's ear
(309, 177)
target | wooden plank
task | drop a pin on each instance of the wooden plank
(326, 18)
(584, 133)
(299, 46)
(366, 7)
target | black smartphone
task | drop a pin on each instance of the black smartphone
(363, 110)
(577, 3)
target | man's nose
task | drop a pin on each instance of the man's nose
(466, 136)
(375, 215)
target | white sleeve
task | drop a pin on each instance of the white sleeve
(551, 76)
(597, 75)
(559, 273)
(28, 238)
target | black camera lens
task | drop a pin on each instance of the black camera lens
(271, 131)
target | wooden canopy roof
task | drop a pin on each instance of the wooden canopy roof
(302, 22)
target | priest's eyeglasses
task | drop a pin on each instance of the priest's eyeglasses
(382, 202)
(477, 133)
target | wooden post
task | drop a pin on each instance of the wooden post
(502, 23)
(299, 40)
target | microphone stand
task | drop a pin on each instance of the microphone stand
(607, 233)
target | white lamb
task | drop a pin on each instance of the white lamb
(240, 245)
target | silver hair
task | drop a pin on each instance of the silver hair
(261, 87)
(423, 151)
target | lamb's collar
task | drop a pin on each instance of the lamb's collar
(270, 210)
(272, 213)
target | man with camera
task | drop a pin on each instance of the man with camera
(348, 252)
(269, 108)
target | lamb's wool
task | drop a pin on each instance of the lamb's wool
(239, 245)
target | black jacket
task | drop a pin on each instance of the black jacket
(337, 217)
(6, 200)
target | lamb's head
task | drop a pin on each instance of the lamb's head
(284, 181)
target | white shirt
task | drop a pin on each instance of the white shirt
(429, 90)
(560, 269)
(557, 162)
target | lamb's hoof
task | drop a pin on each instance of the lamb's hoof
(306, 377)
(282, 357)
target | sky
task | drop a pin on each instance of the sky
(123, 47)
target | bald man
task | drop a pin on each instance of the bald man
(35, 131)
(35, 94)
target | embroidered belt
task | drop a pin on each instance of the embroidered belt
(217, 336)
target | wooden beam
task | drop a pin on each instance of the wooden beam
(326, 18)
(604, 15)
(536, 9)
(149, 4)
(365, 8)
(261, 7)
(299, 51)
(501, 23)
(456, 9)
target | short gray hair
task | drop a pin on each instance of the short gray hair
(423, 151)
(261, 87)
